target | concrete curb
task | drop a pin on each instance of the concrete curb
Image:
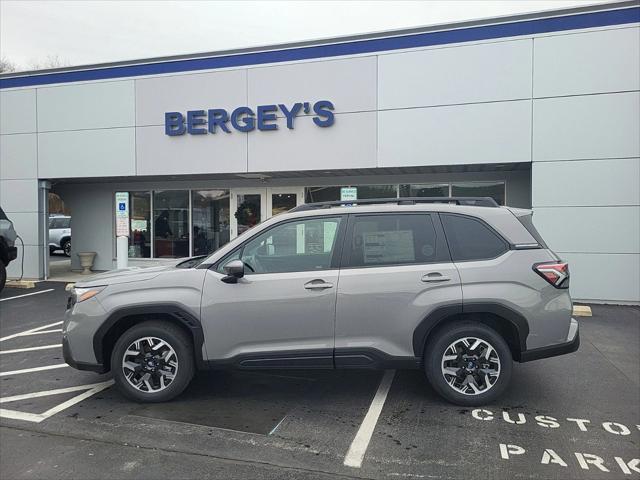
(20, 284)
(581, 311)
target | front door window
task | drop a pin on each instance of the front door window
(299, 246)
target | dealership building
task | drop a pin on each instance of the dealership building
(538, 111)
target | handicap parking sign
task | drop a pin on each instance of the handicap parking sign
(122, 206)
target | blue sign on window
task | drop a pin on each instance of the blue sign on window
(122, 206)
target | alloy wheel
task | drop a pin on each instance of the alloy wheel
(471, 366)
(150, 364)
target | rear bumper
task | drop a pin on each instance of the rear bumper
(571, 345)
(68, 358)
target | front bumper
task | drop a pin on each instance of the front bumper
(571, 345)
(12, 253)
(68, 358)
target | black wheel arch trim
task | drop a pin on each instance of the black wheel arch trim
(442, 313)
(177, 311)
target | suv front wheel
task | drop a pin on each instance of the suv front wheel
(468, 363)
(152, 362)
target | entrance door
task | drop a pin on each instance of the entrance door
(250, 206)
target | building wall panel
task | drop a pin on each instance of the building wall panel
(452, 75)
(591, 62)
(586, 182)
(350, 84)
(349, 143)
(608, 278)
(180, 93)
(18, 111)
(586, 127)
(18, 156)
(87, 153)
(19, 195)
(462, 134)
(160, 154)
(590, 229)
(86, 106)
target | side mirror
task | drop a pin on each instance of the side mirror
(233, 271)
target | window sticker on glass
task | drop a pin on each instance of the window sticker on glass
(388, 247)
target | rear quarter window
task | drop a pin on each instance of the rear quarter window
(527, 222)
(472, 239)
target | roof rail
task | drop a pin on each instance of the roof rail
(468, 201)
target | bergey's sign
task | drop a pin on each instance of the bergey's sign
(244, 119)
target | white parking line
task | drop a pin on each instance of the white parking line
(42, 332)
(29, 332)
(46, 393)
(30, 349)
(91, 389)
(360, 443)
(35, 369)
(26, 295)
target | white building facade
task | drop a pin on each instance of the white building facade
(538, 111)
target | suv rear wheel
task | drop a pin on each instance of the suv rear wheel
(468, 363)
(66, 247)
(153, 362)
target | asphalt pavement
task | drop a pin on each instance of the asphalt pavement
(575, 416)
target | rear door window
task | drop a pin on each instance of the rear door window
(471, 239)
(378, 240)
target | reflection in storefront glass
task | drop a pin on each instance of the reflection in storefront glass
(282, 202)
(171, 223)
(140, 224)
(248, 212)
(495, 190)
(210, 217)
(425, 190)
(332, 194)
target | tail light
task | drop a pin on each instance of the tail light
(556, 273)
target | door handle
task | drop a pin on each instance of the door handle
(317, 285)
(435, 277)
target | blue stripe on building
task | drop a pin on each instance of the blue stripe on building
(470, 34)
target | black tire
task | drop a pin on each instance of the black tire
(3, 275)
(51, 250)
(435, 350)
(172, 335)
(66, 247)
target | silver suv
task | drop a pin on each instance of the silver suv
(60, 234)
(459, 287)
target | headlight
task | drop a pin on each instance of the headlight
(82, 294)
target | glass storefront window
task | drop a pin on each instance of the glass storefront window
(332, 194)
(249, 212)
(140, 224)
(282, 202)
(171, 223)
(425, 190)
(495, 190)
(210, 218)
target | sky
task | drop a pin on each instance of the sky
(32, 33)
